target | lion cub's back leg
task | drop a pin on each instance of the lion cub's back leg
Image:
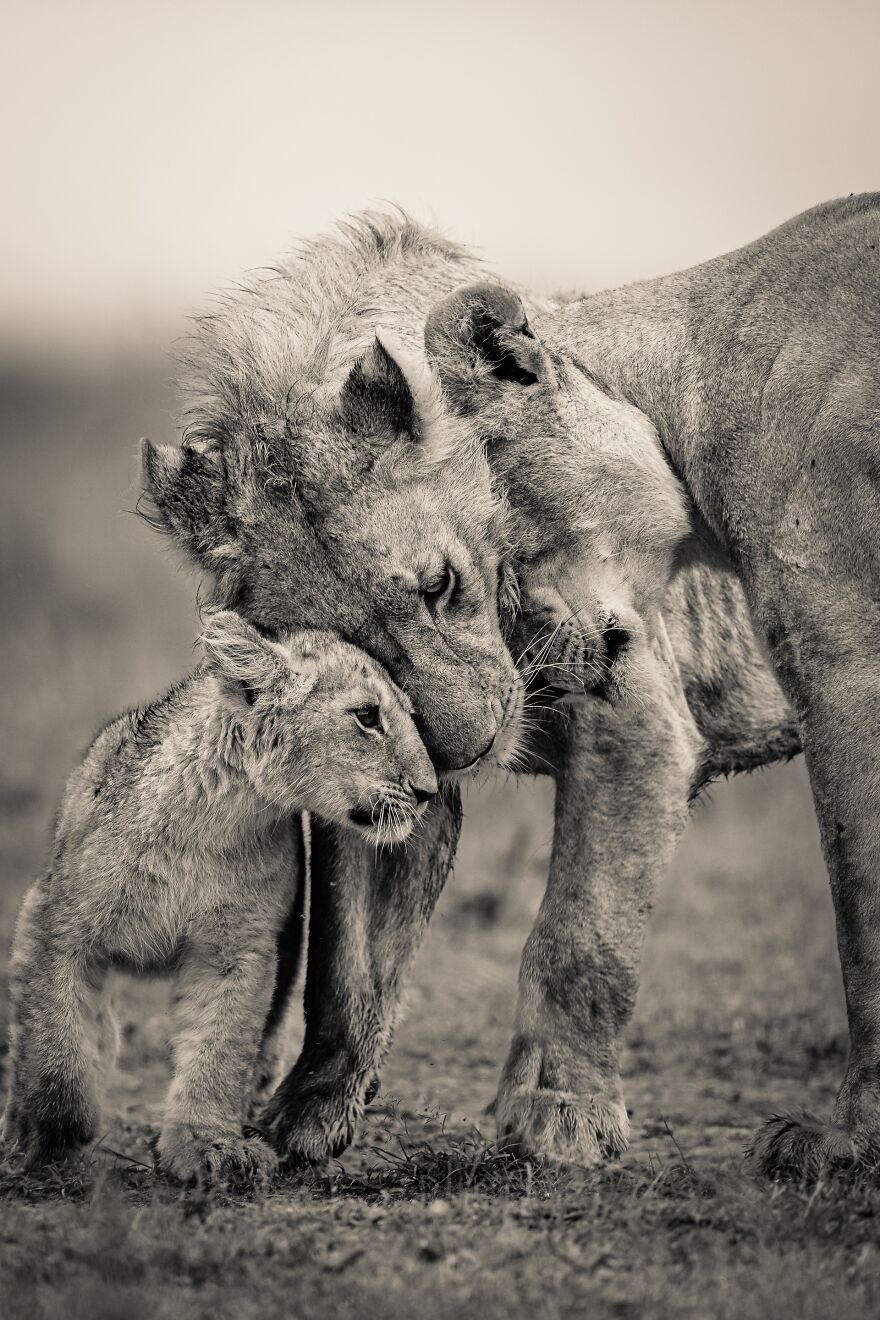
(60, 1034)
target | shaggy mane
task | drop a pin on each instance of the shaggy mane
(271, 343)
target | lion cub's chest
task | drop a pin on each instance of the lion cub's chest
(171, 897)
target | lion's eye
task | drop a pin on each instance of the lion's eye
(439, 591)
(367, 717)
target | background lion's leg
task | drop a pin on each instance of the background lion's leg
(369, 909)
(622, 797)
(831, 663)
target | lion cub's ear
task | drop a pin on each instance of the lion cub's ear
(479, 339)
(237, 653)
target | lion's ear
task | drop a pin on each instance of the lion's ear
(187, 491)
(479, 338)
(392, 394)
(376, 396)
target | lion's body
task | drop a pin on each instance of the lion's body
(178, 850)
(622, 596)
(164, 861)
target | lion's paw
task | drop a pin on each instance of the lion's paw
(193, 1155)
(262, 1086)
(801, 1148)
(562, 1125)
(313, 1132)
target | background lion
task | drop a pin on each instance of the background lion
(759, 372)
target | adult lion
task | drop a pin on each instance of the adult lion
(761, 373)
(324, 482)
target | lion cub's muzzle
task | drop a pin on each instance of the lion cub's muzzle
(391, 810)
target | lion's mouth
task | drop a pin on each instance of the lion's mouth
(385, 824)
(480, 756)
(503, 749)
(362, 816)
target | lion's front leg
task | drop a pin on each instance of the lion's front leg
(276, 1048)
(622, 792)
(368, 912)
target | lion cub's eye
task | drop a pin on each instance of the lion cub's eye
(368, 717)
(440, 590)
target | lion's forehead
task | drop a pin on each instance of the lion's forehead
(413, 514)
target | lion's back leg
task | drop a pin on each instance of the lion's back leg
(60, 1035)
(827, 651)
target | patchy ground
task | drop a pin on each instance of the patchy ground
(740, 1011)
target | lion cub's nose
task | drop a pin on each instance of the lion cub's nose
(422, 793)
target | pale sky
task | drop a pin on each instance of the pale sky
(155, 150)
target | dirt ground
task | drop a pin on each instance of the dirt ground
(740, 1012)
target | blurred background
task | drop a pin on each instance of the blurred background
(154, 152)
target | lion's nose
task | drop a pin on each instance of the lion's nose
(424, 787)
(476, 760)
(615, 638)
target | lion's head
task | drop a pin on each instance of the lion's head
(596, 514)
(323, 486)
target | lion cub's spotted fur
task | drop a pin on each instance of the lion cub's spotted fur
(175, 852)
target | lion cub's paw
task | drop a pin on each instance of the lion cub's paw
(562, 1125)
(194, 1155)
(801, 1148)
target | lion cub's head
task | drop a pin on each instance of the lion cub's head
(596, 514)
(320, 727)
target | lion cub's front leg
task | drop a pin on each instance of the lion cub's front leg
(222, 995)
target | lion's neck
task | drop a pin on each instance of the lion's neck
(690, 351)
(634, 340)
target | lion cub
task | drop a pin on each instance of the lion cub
(174, 852)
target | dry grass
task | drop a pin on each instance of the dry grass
(740, 1012)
